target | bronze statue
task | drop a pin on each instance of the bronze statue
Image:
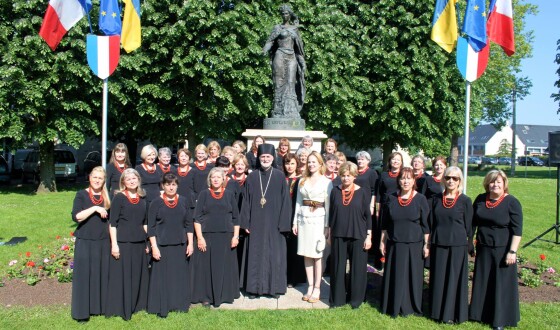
(285, 49)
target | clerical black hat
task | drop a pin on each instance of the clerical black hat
(266, 148)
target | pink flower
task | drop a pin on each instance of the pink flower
(65, 247)
(551, 270)
(13, 262)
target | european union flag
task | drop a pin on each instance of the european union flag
(474, 25)
(110, 17)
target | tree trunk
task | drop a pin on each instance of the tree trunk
(388, 147)
(454, 152)
(47, 180)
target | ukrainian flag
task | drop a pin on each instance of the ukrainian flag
(131, 37)
(444, 24)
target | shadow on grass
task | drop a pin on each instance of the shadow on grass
(31, 189)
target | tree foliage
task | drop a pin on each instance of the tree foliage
(556, 96)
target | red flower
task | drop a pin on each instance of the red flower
(40, 267)
(382, 259)
(30, 264)
(57, 236)
(65, 247)
(71, 233)
(28, 254)
(543, 257)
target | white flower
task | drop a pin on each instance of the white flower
(13, 262)
(46, 260)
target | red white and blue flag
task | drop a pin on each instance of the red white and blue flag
(471, 64)
(60, 17)
(500, 25)
(103, 53)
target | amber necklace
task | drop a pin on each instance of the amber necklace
(132, 200)
(490, 204)
(184, 171)
(201, 167)
(165, 168)
(148, 168)
(240, 180)
(170, 203)
(449, 202)
(120, 168)
(348, 195)
(363, 171)
(436, 179)
(92, 197)
(331, 177)
(408, 201)
(219, 194)
(393, 174)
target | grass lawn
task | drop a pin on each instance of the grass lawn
(42, 217)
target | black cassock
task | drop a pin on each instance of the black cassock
(265, 271)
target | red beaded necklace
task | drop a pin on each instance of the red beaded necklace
(416, 176)
(132, 200)
(200, 167)
(165, 168)
(348, 195)
(184, 172)
(436, 179)
(218, 195)
(171, 204)
(408, 201)
(363, 171)
(490, 204)
(148, 168)
(119, 168)
(241, 180)
(449, 204)
(92, 197)
(393, 174)
(332, 176)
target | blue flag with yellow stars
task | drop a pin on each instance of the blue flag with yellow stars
(474, 25)
(110, 17)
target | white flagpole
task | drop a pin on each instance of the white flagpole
(467, 127)
(104, 125)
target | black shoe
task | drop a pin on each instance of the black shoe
(252, 296)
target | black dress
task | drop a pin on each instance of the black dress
(295, 264)
(404, 269)
(349, 225)
(495, 293)
(151, 182)
(114, 173)
(369, 181)
(128, 275)
(185, 187)
(169, 286)
(200, 178)
(266, 245)
(91, 261)
(216, 276)
(422, 183)
(449, 265)
(252, 159)
(433, 187)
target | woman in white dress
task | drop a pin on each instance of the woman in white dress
(311, 221)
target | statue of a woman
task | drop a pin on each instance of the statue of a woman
(285, 48)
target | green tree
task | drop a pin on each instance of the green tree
(556, 96)
(505, 149)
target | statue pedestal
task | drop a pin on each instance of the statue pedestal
(296, 124)
(273, 136)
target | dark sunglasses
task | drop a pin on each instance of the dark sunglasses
(454, 178)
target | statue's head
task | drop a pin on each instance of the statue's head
(286, 8)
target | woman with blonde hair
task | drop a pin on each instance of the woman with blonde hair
(239, 147)
(310, 223)
(200, 170)
(214, 151)
(128, 269)
(150, 173)
(92, 248)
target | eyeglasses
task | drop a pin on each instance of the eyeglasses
(454, 178)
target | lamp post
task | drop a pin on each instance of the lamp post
(513, 128)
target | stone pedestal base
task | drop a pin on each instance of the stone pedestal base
(273, 136)
(296, 124)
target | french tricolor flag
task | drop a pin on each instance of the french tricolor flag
(60, 17)
(500, 25)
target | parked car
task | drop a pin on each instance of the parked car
(17, 161)
(65, 165)
(489, 160)
(475, 160)
(529, 161)
(504, 161)
(92, 160)
(4, 171)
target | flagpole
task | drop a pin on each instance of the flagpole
(104, 125)
(467, 126)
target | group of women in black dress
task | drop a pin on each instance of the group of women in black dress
(172, 235)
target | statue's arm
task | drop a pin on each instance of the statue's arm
(271, 39)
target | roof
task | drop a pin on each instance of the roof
(480, 135)
(534, 135)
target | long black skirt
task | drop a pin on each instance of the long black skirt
(91, 277)
(355, 293)
(216, 279)
(403, 279)
(128, 280)
(495, 294)
(449, 276)
(295, 265)
(169, 285)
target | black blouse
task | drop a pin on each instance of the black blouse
(433, 187)
(497, 225)
(386, 186)
(113, 178)
(217, 215)
(352, 220)
(252, 159)
(151, 182)
(368, 181)
(422, 184)
(94, 227)
(200, 178)
(453, 226)
(128, 218)
(406, 224)
(169, 225)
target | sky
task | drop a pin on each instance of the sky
(539, 108)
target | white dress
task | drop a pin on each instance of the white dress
(311, 224)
